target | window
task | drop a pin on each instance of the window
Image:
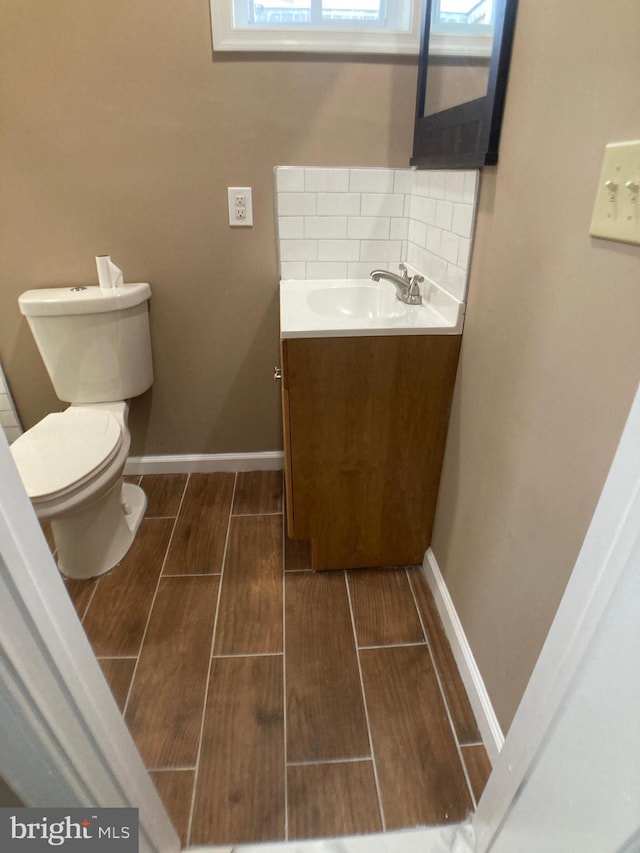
(349, 26)
(461, 27)
(468, 14)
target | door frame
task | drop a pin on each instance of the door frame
(610, 547)
(64, 742)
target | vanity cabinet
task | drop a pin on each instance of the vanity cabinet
(365, 424)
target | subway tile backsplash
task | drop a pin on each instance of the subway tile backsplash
(9, 420)
(342, 223)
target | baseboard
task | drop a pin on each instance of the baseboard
(488, 724)
(205, 463)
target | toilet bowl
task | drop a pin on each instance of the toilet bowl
(71, 465)
(96, 347)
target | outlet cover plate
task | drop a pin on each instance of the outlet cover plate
(240, 206)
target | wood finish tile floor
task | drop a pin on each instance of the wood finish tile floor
(268, 701)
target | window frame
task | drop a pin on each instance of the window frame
(329, 39)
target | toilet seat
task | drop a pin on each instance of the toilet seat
(65, 450)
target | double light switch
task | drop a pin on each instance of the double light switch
(616, 213)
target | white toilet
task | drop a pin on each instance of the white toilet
(96, 346)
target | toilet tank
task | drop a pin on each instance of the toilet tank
(95, 343)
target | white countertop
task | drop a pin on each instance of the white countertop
(319, 308)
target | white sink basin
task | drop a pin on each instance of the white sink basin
(316, 308)
(358, 301)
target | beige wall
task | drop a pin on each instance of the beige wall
(551, 349)
(121, 133)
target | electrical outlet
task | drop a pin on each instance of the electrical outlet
(240, 206)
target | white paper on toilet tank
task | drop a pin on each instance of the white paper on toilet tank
(109, 275)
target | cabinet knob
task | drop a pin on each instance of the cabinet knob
(277, 374)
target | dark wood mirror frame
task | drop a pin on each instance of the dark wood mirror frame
(465, 136)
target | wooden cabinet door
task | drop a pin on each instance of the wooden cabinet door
(367, 422)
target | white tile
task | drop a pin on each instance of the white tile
(296, 204)
(293, 269)
(417, 233)
(380, 250)
(5, 404)
(463, 252)
(325, 227)
(417, 257)
(423, 209)
(289, 179)
(454, 186)
(361, 270)
(449, 244)
(290, 227)
(399, 229)
(326, 180)
(462, 219)
(338, 250)
(470, 185)
(371, 180)
(402, 180)
(327, 269)
(425, 260)
(368, 228)
(417, 208)
(407, 205)
(3, 384)
(12, 433)
(338, 204)
(444, 215)
(455, 281)
(382, 204)
(394, 266)
(421, 182)
(298, 250)
(405, 247)
(437, 269)
(436, 185)
(429, 211)
(433, 239)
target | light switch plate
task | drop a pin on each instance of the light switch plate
(616, 213)
(240, 206)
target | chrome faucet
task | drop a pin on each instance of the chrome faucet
(407, 287)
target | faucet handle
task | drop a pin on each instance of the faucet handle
(403, 272)
(414, 295)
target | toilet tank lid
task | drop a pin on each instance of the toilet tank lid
(52, 301)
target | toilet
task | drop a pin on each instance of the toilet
(96, 346)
